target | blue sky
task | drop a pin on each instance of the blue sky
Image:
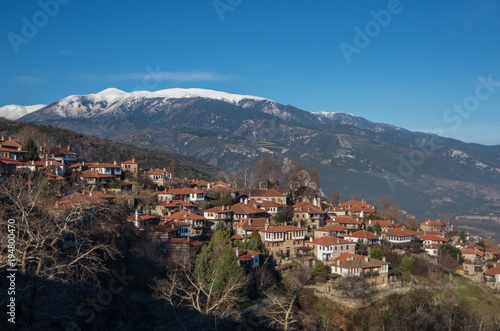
(433, 66)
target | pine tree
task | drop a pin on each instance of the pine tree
(31, 147)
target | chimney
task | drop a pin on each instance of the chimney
(367, 259)
(266, 227)
(249, 221)
(69, 147)
(338, 263)
(311, 239)
(237, 252)
(10, 138)
(133, 159)
(383, 258)
(114, 162)
(369, 222)
(188, 238)
(32, 162)
(136, 223)
(83, 163)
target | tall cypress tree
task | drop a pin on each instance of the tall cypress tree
(31, 147)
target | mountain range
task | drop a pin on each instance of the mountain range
(428, 175)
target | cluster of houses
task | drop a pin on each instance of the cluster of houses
(184, 217)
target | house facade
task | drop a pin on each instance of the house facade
(282, 238)
(327, 248)
(373, 270)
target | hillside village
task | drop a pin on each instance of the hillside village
(180, 215)
(186, 214)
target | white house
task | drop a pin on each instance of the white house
(327, 248)
(374, 270)
(247, 257)
(366, 237)
(106, 168)
(399, 235)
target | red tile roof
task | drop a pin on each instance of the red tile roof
(493, 271)
(11, 143)
(256, 224)
(62, 151)
(345, 220)
(181, 191)
(176, 203)
(270, 204)
(184, 215)
(218, 210)
(155, 172)
(400, 232)
(384, 223)
(363, 234)
(330, 241)
(433, 238)
(282, 228)
(307, 207)
(470, 251)
(346, 257)
(492, 250)
(352, 203)
(8, 160)
(242, 209)
(94, 174)
(246, 254)
(84, 200)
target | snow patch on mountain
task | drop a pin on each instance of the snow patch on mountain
(14, 112)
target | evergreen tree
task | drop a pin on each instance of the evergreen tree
(377, 253)
(31, 147)
(220, 227)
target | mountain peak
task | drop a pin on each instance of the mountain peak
(179, 93)
(13, 112)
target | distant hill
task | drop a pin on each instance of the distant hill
(430, 176)
(96, 149)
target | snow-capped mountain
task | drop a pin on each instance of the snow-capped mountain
(109, 100)
(14, 112)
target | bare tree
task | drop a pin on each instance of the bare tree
(282, 301)
(336, 198)
(355, 287)
(68, 244)
(209, 283)
(388, 209)
(412, 223)
(268, 170)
